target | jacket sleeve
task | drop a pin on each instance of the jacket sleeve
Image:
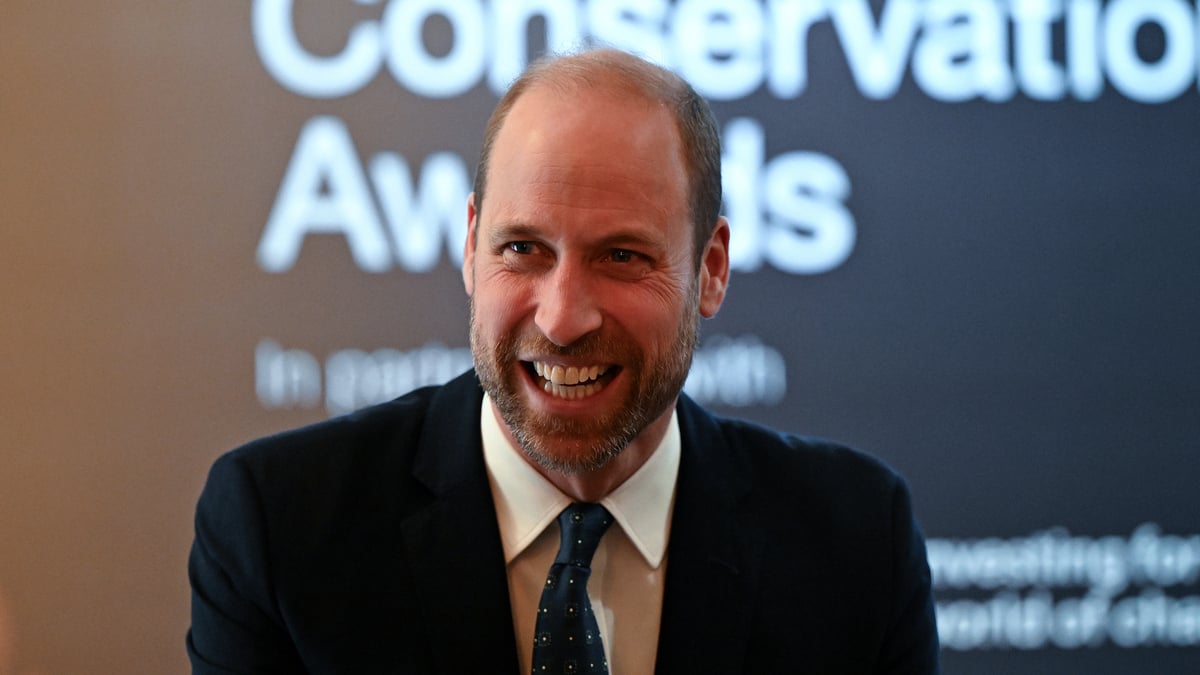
(911, 647)
(236, 623)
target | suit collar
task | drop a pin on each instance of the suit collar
(449, 451)
(711, 576)
(453, 543)
(527, 502)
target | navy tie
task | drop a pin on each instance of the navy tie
(567, 638)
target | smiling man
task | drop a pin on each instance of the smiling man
(585, 293)
(564, 508)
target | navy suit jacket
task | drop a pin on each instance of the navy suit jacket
(369, 544)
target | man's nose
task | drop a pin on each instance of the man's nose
(567, 309)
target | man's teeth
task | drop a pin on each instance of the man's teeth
(570, 392)
(569, 375)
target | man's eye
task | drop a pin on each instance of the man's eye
(623, 256)
(522, 247)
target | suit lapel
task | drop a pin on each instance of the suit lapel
(453, 542)
(711, 572)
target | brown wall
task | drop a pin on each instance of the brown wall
(127, 169)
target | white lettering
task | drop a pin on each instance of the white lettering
(355, 378)
(1079, 622)
(876, 59)
(718, 45)
(633, 25)
(1037, 73)
(737, 372)
(323, 191)
(509, 35)
(1007, 621)
(788, 213)
(958, 50)
(284, 379)
(413, 66)
(963, 52)
(1106, 567)
(789, 25)
(1171, 74)
(1083, 49)
(811, 230)
(741, 165)
(439, 207)
(298, 70)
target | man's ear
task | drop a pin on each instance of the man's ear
(714, 269)
(468, 266)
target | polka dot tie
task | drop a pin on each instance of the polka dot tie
(567, 638)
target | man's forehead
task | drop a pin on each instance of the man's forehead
(589, 104)
(544, 176)
(592, 157)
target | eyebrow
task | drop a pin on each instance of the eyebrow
(631, 240)
(503, 232)
(520, 231)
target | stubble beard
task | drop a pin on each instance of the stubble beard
(575, 446)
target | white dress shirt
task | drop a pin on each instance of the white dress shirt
(629, 568)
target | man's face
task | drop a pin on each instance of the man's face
(584, 296)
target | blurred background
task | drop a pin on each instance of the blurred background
(965, 240)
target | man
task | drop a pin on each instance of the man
(415, 536)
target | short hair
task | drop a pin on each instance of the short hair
(629, 74)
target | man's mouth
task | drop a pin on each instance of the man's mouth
(571, 382)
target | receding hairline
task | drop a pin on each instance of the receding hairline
(605, 68)
(612, 70)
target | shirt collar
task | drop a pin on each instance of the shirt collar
(526, 503)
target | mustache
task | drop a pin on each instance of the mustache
(593, 345)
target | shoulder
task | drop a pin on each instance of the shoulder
(786, 449)
(392, 429)
(772, 457)
(368, 435)
(817, 486)
(350, 461)
(835, 521)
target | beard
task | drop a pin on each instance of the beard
(572, 445)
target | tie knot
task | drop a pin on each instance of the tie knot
(582, 525)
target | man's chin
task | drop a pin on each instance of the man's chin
(570, 454)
